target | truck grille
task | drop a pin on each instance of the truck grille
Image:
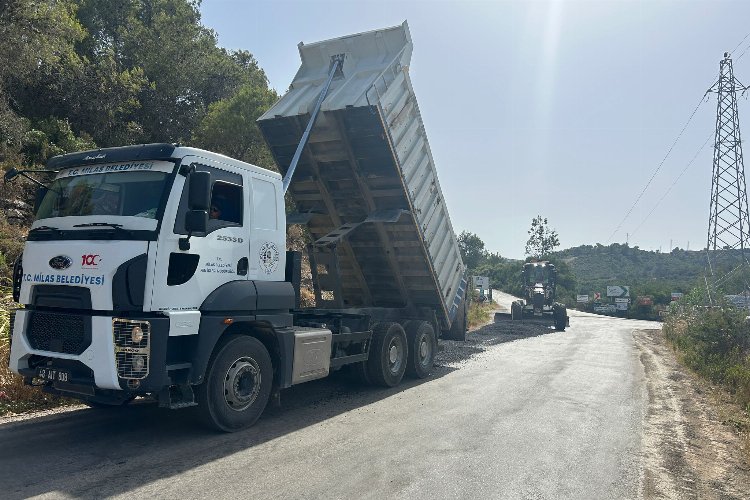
(65, 333)
(132, 357)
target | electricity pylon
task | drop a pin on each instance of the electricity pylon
(729, 222)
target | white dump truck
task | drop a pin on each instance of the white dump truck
(160, 270)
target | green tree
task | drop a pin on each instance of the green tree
(229, 127)
(37, 36)
(51, 137)
(542, 239)
(184, 68)
(472, 249)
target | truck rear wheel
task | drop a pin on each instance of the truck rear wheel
(460, 323)
(238, 384)
(421, 341)
(388, 354)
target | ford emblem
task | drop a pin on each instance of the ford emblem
(60, 262)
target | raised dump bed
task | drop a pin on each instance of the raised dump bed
(366, 183)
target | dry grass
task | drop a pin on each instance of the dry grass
(15, 397)
(480, 313)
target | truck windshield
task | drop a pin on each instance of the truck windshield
(536, 274)
(135, 194)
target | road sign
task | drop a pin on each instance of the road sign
(605, 308)
(676, 296)
(582, 298)
(622, 306)
(597, 296)
(618, 291)
(483, 281)
(622, 300)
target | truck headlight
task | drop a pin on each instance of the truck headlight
(136, 334)
(139, 362)
(132, 347)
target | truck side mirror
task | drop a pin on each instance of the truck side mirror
(10, 174)
(199, 191)
(196, 221)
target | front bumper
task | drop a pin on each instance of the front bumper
(96, 365)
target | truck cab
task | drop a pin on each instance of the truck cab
(133, 251)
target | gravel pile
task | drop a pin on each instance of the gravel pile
(454, 353)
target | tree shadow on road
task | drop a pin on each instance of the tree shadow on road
(102, 452)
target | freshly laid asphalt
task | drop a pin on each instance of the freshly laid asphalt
(517, 411)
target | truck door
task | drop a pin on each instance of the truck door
(184, 278)
(267, 246)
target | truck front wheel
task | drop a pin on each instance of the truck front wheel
(238, 384)
(388, 354)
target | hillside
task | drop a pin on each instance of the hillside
(597, 266)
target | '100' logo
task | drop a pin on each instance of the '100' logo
(90, 260)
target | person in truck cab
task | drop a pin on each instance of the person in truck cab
(215, 212)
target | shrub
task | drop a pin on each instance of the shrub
(714, 341)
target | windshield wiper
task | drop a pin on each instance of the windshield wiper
(44, 228)
(100, 224)
(104, 224)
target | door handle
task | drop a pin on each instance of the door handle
(242, 266)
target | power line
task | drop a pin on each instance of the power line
(743, 53)
(700, 150)
(658, 168)
(741, 42)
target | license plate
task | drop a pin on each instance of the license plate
(53, 374)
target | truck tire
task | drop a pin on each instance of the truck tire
(238, 384)
(389, 352)
(460, 324)
(516, 311)
(560, 313)
(421, 341)
(361, 373)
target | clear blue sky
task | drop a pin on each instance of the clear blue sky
(562, 108)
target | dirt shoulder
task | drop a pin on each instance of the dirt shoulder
(696, 440)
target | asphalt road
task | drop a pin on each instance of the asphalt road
(518, 411)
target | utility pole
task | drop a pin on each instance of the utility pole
(728, 222)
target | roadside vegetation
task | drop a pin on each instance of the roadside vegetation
(480, 313)
(15, 397)
(714, 341)
(651, 275)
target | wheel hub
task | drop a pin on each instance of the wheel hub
(424, 348)
(395, 356)
(242, 383)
